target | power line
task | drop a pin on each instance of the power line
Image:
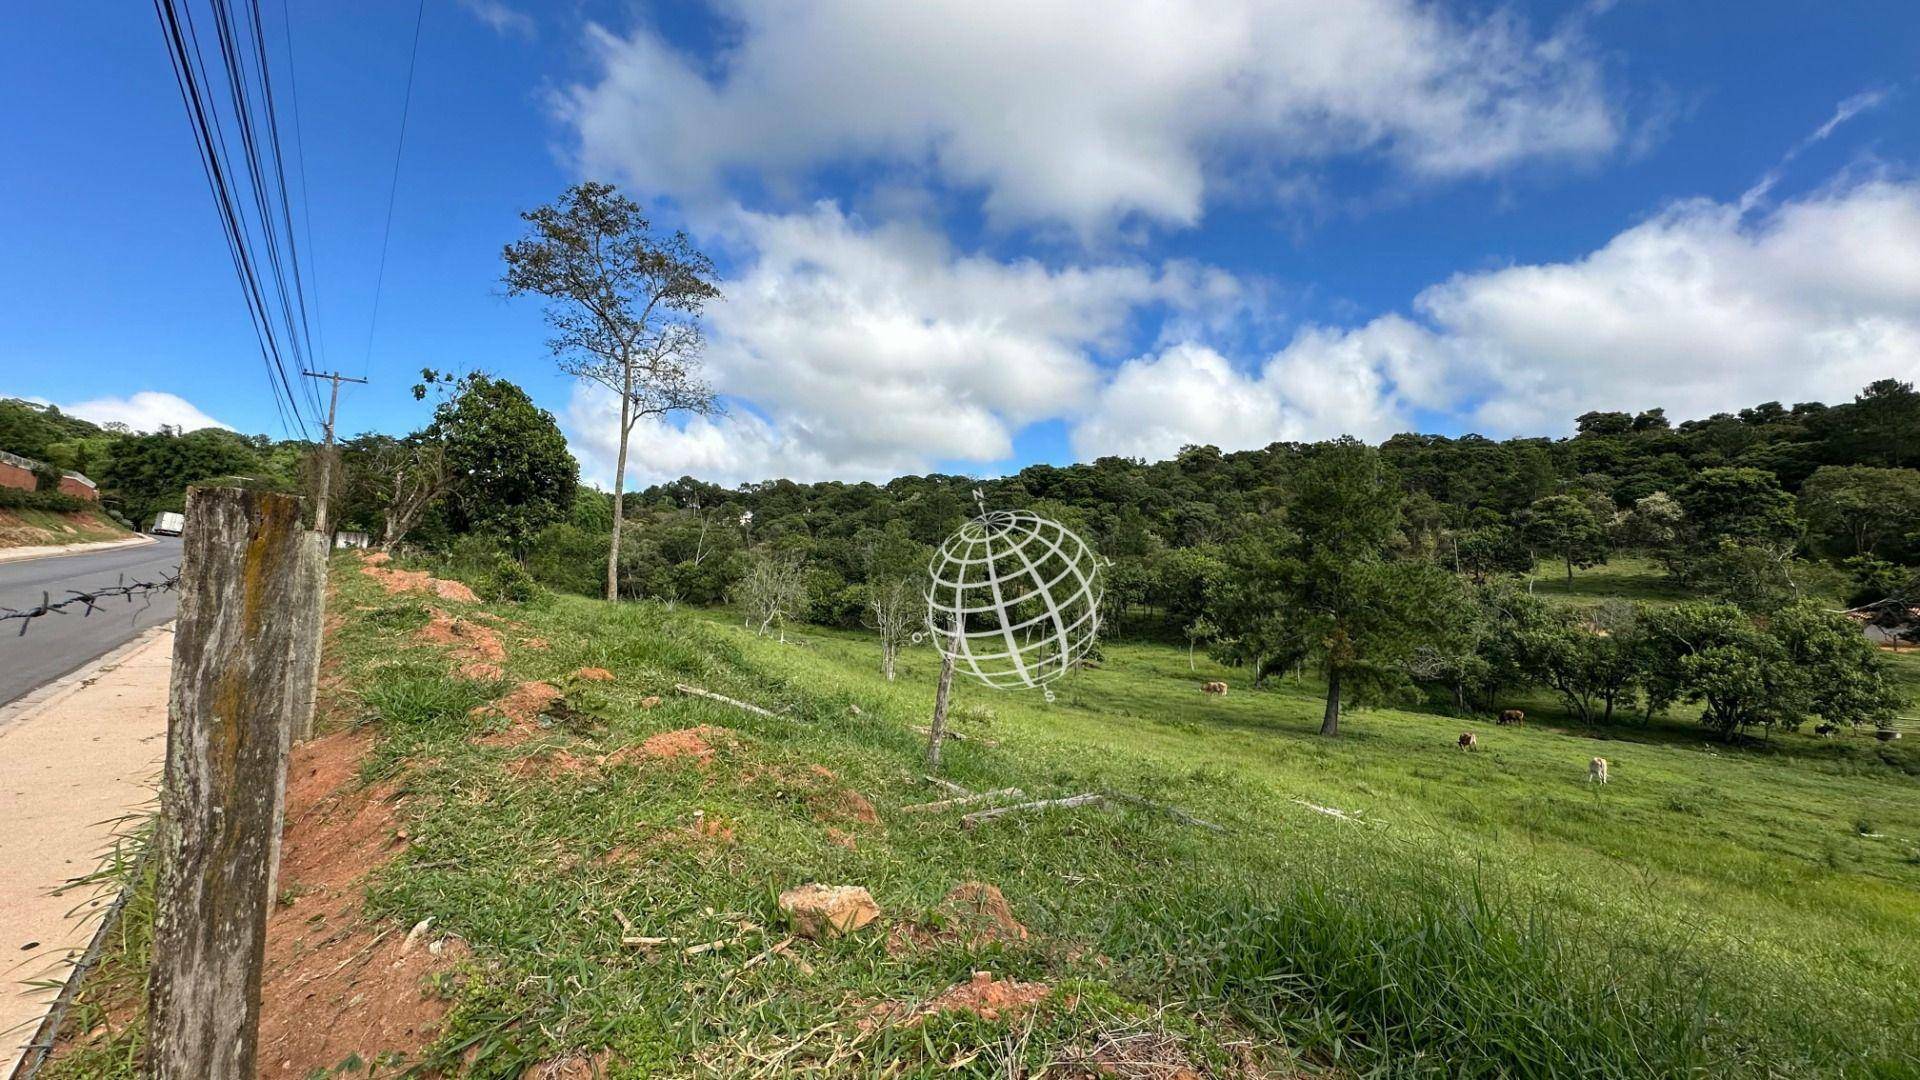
(300, 154)
(248, 186)
(393, 186)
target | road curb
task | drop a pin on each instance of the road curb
(65, 686)
(61, 551)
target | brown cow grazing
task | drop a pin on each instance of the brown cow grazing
(1214, 688)
(1512, 716)
(1469, 741)
(1597, 771)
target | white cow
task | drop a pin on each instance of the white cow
(1597, 771)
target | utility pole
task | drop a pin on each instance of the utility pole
(326, 455)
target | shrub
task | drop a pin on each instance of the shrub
(55, 501)
(509, 581)
(571, 558)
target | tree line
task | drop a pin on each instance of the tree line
(1402, 568)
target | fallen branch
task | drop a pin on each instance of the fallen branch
(1173, 812)
(769, 951)
(1330, 811)
(1067, 803)
(963, 800)
(946, 785)
(725, 700)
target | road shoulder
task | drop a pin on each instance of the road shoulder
(54, 551)
(77, 757)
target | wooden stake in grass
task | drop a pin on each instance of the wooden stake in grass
(725, 700)
(228, 721)
(938, 729)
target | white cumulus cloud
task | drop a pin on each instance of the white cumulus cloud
(147, 410)
(1702, 308)
(1088, 111)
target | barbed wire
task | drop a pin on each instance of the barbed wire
(90, 602)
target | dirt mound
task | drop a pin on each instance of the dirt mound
(405, 581)
(697, 744)
(522, 709)
(481, 671)
(463, 638)
(334, 983)
(594, 674)
(538, 644)
(557, 763)
(983, 995)
(974, 913)
(979, 912)
(843, 805)
(376, 558)
(820, 789)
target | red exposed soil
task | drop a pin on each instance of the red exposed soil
(982, 913)
(843, 804)
(974, 913)
(558, 763)
(522, 708)
(594, 674)
(466, 639)
(404, 581)
(983, 995)
(334, 983)
(694, 743)
(481, 671)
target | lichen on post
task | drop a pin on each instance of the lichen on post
(235, 668)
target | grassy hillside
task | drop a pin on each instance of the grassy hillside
(1711, 912)
(33, 528)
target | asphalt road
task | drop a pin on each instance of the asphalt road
(56, 644)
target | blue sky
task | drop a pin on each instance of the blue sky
(967, 236)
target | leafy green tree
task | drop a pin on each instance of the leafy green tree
(1804, 662)
(1714, 654)
(512, 473)
(1322, 589)
(624, 305)
(1567, 526)
(1592, 661)
(1485, 549)
(1862, 509)
(1847, 681)
(1654, 525)
(150, 473)
(1746, 506)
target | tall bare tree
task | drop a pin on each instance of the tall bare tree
(418, 474)
(895, 609)
(624, 302)
(773, 590)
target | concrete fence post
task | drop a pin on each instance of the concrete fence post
(244, 626)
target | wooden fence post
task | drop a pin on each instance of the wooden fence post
(937, 730)
(228, 726)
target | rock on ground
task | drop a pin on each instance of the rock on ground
(824, 911)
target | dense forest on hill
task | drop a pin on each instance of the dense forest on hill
(1418, 566)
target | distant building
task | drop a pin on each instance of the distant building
(352, 540)
(22, 473)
